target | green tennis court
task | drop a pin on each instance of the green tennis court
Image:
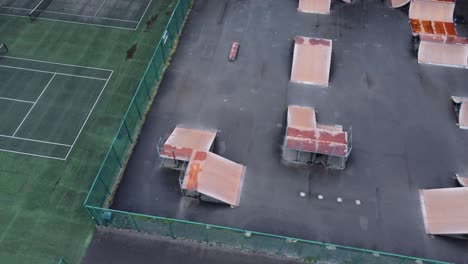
(45, 106)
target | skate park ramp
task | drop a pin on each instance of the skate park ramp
(215, 177)
(311, 61)
(445, 211)
(443, 50)
(432, 17)
(183, 141)
(314, 6)
(304, 134)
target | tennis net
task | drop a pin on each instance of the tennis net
(39, 8)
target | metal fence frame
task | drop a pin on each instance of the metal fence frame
(110, 172)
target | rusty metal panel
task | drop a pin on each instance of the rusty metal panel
(433, 10)
(443, 50)
(311, 61)
(445, 211)
(183, 141)
(214, 176)
(314, 6)
(318, 141)
(303, 133)
(432, 27)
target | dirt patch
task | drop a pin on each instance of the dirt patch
(131, 52)
(150, 23)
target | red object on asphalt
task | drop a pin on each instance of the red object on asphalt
(233, 53)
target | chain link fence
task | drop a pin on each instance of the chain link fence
(100, 195)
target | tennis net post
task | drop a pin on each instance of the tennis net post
(38, 9)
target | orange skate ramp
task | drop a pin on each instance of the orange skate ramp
(314, 6)
(461, 109)
(445, 211)
(301, 117)
(183, 141)
(215, 177)
(398, 3)
(432, 27)
(443, 50)
(311, 61)
(304, 134)
(433, 10)
(432, 17)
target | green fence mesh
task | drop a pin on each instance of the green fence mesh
(101, 192)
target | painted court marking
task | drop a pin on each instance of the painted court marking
(16, 100)
(137, 21)
(54, 74)
(30, 109)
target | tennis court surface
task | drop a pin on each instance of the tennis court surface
(46, 105)
(109, 13)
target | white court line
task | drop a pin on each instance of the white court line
(16, 100)
(56, 63)
(30, 154)
(70, 14)
(89, 114)
(105, 18)
(144, 13)
(54, 73)
(73, 22)
(30, 109)
(99, 9)
(35, 140)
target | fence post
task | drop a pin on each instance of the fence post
(116, 156)
(134, 222)
(170, 230)
(176, 17)
(128, 132)
(138, 109)
(281, 247)
(105, 186)
(91, 215)
(98, 217)
(162, 49)
(207, 227)
(146, 87)
(153, 63)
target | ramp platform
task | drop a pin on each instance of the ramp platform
(304, 135)
(445, 211)
(181, 144)
(311, 61)
(443, 50)
(213, 178)
(314, 6)
(432, 17)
